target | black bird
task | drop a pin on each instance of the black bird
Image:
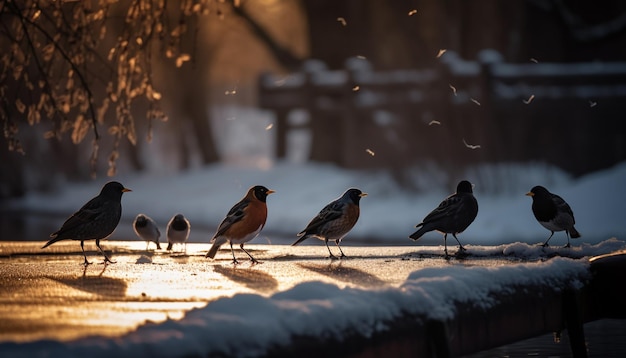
(244, 222)
(553, 213)
(147, 230)
(335, 220)
(453, 215)
(96, 220)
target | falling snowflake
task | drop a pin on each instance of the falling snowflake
(342, 21)
(470, 146)
(441, 52)
(530, 99)
(412, 12)
(370, 152)
(453, 89)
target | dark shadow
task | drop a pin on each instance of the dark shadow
(249, 277)
(324, 255)
(96, 284)
(335, 270)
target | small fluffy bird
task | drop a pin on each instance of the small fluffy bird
(553, 213)
(244, 222)
(453, 215)
(178, 231)
(96, 220)
(335, 220)
(147, 230)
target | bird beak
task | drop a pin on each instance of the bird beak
(530, 193)
(363, 194)
(271, 192)
(125, 190)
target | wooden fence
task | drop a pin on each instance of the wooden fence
(458, 112)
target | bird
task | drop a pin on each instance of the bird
(453, 215)
(244, 222)
(553, 213)
(178, 229)
(96, 220)
(335, 220)
(147, 230)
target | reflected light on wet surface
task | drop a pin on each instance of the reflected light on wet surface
(48, 294)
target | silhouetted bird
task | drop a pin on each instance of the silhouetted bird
(453, 215)
(147, 230)
(553, 213)
(178, 231)
(244, 222)
(335, 220)
(96, 220)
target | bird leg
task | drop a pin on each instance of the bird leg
(330, 252)
(235, 262)
(254, 261)
(82, 246)
(106, 258)
(567, 234)
(457, 240)
(546, 243)
(339, 247)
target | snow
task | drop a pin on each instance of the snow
(249, 324)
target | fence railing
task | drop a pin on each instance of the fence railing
(458, 112)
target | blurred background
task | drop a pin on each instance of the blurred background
(389, 85)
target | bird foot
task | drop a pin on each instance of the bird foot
(566, 246)
(332, 257)
(544, 245)
(235, 262)
(255, 262)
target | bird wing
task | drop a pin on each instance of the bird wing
(235, 214)
(329, 213)
(562, 206)
(89, 212)
(448, 207)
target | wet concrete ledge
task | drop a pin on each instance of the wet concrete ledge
(526, 312)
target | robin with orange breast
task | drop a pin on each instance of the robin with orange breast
(244, 222)
(335, 220)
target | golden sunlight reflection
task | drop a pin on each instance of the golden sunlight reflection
(65, 300)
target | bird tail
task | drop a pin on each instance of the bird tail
(418, 234)
(573, 233)
(55, 238)
(303, 236)
(217, 243)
